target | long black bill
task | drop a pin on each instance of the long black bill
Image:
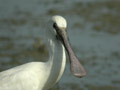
(76, 67)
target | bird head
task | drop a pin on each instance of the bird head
(59, 22)
(60, 27)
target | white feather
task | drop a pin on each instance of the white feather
(60, 21)
(37, 75)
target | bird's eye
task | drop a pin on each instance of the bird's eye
(55, 25)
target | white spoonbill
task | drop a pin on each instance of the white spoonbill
(43, 75)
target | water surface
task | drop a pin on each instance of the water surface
(94, 32)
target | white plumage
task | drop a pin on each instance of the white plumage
(60, 21)
(43, 75)
(37, 75)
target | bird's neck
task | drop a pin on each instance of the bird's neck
(57, 61)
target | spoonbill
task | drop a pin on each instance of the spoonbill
(43, 75)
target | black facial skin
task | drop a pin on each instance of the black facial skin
(76, 67)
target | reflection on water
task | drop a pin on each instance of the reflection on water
(93, 30)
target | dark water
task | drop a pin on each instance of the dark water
(94, 32)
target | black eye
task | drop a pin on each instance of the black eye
(55, 25)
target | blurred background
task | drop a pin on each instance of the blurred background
(93, 29)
